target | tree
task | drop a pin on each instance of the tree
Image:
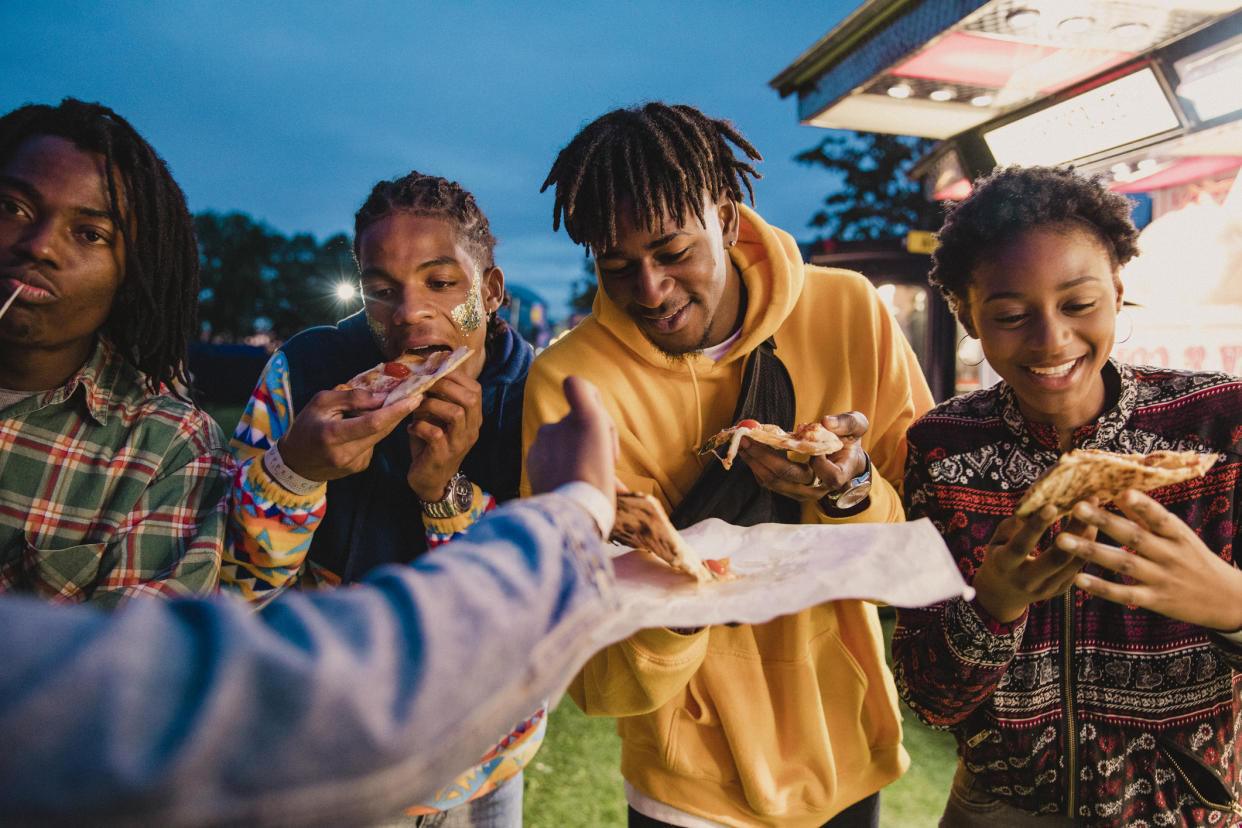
(876, 199)
(252, 277)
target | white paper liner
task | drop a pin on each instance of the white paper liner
(785, 568)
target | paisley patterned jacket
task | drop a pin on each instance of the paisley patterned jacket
(1112, 714)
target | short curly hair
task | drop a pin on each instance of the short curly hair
(435, 197)
(1012, 200)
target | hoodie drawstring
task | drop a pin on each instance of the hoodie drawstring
(698, 406)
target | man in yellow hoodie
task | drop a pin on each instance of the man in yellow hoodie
(706, 315)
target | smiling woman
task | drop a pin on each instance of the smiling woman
(1093, 642)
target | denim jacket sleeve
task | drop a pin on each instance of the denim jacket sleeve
(327, 707)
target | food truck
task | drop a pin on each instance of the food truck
(1146, 94)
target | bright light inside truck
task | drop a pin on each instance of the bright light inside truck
(1020, 19)
(345, 291)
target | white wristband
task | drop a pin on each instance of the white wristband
(288, 479)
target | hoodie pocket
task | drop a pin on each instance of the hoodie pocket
(62, 576)
(1198, 777)
(787, 729)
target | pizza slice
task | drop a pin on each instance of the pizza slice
(810, 439)
(642, 523)
(1084, 473)
(406, 375)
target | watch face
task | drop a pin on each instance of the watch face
(463, 494)
(854, 496)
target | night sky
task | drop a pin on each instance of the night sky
(291, 111)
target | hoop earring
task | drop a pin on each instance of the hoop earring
(1129, 328)
(958, 353)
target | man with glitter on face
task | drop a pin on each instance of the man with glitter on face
(332, 483)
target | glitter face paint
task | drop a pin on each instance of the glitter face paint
(378, 331)
(468, 316)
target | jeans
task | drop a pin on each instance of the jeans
(862, 814)
(971, 807)
(501, 808)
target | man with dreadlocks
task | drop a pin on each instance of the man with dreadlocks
(328, 487)
(111, 485)
(706, 315)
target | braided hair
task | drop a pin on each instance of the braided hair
(1012, 200)
(661, 158)
(155, 308)
(438, 198)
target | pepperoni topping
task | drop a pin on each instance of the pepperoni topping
(719, 566)
(747, 424)
(396, 369)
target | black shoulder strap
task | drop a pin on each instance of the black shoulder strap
(734, 495)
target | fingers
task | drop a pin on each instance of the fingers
(373, 425)
(1128, 594)
(1125, 529)
(584, 398)
(850, 425)
(585, 401)
(773, 470)
(1075, 526)
(580, 446)
(1118, 560)
(1016, 537)
(343, 402)
(1147, 512)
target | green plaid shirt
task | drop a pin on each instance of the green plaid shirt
(108, 491)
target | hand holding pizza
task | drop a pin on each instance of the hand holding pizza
(1167, 566)
(1012, 577)
(822, 473)
(444, 428)
(333, 436)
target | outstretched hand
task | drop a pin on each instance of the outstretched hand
(822, 474)
(334, 435)
(1169, 569)
(582, 445)
(1012, 577)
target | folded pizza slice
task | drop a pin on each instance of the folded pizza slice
(642, 524)
(408, 374)
(1084, 473)
(810, 439)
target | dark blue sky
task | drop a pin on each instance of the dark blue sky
(290, 111)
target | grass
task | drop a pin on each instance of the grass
(575, 779)
(225, 415)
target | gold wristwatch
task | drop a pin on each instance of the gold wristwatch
(457, 499)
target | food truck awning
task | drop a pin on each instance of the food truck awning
(1132, 89)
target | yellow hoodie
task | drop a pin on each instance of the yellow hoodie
(785, 723)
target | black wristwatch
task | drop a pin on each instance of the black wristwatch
(852, 494)
(457, 499)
